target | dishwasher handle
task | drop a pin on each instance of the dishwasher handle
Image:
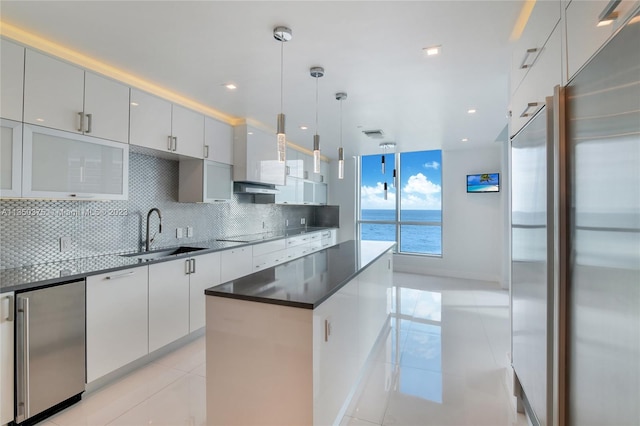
(22, 359)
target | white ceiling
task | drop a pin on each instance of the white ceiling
(370, 49)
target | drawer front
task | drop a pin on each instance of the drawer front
(269, 247)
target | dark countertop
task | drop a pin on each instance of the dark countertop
(308, 281)
(44, 274)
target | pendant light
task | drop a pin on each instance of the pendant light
(316, 72)
(384, 146)
(341, 96)
(385, 191)
(282, 34)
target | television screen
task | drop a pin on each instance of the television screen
(485, 182)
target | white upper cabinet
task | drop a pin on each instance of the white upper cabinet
(526, 50)
(53, 93)
(218, 141)
(11, 80)
(55, 96)
(106, 108)
(187, 130)
(202, 181)
(150, 121)
(584, 36)
(156, 123)
(61, 165)
(10, 158)
(255, 157)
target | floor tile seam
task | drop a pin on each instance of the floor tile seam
(396, 375)
(491, 348)
(170, 367)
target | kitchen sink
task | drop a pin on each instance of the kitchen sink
(159, 254)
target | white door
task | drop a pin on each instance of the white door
(117, 320)
(218, 141)
(11, 80)
(150, 121)
(206, 274)
(53, 93)
(168, 302)
(106, 108)
(187, 128)
(218, 183)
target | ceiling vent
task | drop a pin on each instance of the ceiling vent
(375, 134)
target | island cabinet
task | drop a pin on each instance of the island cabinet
(117, 320)
(290, 341)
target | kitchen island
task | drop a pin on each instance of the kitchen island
(286, 345)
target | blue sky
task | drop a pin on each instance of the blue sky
(421, 181)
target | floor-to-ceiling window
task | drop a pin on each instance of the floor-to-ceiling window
(402, 200)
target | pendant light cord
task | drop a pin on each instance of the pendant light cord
(316, 105)
(340, 123)
(281, 76)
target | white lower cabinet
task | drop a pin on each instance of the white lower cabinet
(117, 320)
(236, 263)
(335, 362)
(6, 357)
(206, 273)
(168, 302)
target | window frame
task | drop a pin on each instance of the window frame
(398, 213)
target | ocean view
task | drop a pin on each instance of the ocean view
(413, 238)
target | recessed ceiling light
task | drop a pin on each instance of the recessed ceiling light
(465, 139)
(249, 133)
(303, 127)
(134, 104)
(432, 50)
(471, 111)
(231, 86)
(40, 119)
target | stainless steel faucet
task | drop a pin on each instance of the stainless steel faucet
(150, 240)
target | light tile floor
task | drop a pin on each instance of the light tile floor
(442, 362)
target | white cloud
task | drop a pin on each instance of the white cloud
(432, 165)
(421, 193)
(372, 197)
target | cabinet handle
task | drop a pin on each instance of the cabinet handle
(287, 170)
(9, 300)
(115, 277)
(81, 196)
(175, 143)
(607, 12)
(89, 120)
(193, 266)
(187, 267)
(206, 151)
(524, 63)
(530, 105)
(80, 121)
(327, 330)
(170, 143)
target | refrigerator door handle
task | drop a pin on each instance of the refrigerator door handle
(22, 360)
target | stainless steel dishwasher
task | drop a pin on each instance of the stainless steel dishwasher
(50, 350)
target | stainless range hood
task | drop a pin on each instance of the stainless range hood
(254, 188)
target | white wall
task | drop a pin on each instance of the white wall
(474, 226)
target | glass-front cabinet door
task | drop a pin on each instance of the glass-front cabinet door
(10, 158)
(61, 165)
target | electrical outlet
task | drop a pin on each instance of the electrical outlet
(189, 231)
(286, 222)
(303, 221)
(179, 232)
(65, 244)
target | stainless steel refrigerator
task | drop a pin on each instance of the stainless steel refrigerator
(576, 245)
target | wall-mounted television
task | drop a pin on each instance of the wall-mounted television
(483, 182)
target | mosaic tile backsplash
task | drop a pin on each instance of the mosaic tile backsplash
(98, 228)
